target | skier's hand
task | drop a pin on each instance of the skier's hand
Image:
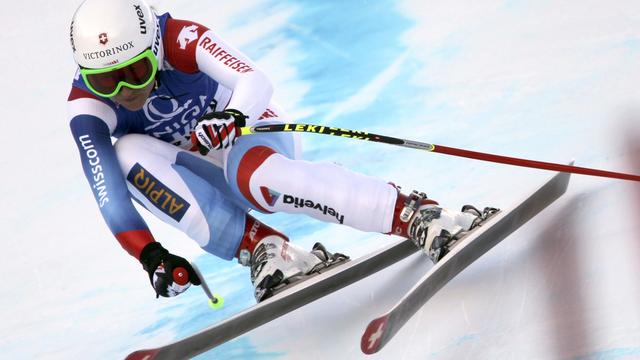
(217, 130)
(170, 275)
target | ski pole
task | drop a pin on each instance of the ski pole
(361, 135)
(215, 301)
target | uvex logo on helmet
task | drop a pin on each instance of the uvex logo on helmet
(155, 47)
(140, 13)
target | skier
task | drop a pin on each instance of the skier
(174, 94)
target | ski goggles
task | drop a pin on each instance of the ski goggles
(134, 74)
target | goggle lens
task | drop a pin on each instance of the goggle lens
(135, 75)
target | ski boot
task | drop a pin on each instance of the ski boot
(433, 228)
(276, 263)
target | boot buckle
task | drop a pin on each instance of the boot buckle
(411, 205)
(244, 257)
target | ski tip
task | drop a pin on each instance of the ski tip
(371, 340)
(142, 355)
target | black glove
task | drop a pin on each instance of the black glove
(170, 275)
(217, 130)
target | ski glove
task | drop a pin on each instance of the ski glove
(217, 130)
(170, 275)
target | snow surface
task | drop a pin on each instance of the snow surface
(545, 80)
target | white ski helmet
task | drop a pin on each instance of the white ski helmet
(105, 33)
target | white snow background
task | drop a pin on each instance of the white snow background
(546, 80)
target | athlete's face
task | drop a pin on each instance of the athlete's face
(132, 99)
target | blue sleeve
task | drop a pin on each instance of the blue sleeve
(102, 169)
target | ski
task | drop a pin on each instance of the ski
(283, 302)
(474, 244)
